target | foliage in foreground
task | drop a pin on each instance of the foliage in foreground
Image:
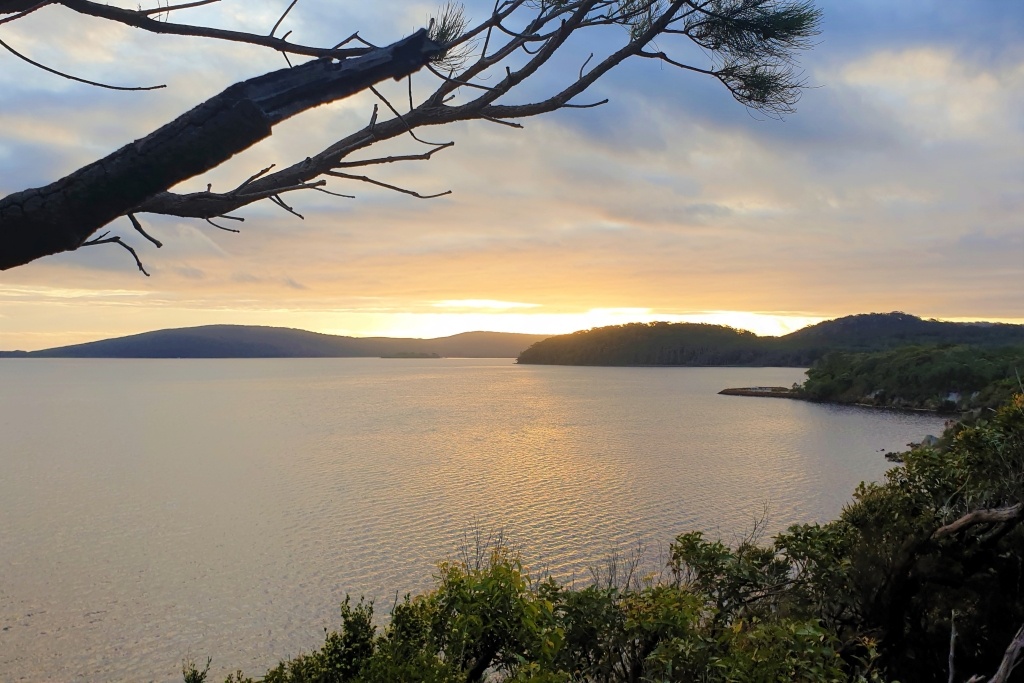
(868, 597)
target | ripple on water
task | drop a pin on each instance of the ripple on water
(158, 509)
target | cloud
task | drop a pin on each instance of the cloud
(895, 186)
(485, 304)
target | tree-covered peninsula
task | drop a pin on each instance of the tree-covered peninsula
(919, 579)
(694, 344)
(944, 378)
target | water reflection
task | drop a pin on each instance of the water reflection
(156, 508)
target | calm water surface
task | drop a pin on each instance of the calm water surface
(153, 509)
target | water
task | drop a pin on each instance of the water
(153, 509)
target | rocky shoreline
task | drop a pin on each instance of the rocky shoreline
(796, 394)
(769, 392)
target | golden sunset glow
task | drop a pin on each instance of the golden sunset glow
(429, 325)
(893, 188)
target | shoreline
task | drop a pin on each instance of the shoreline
(784, 392)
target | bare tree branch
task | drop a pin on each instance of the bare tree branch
(61, 216)
(142, 20)
(753, 53)
(1014, 513)
(1009, 662)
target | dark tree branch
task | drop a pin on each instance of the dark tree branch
(142, 20)
(1009, 662)
(1013, 513)
(1010, 659)
(61, 216)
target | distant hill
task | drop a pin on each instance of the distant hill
(878, 331)
(694, 344)
(248, 341)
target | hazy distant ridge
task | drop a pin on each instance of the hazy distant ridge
(249, 341)
(696, 344)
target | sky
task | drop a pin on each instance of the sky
(898, 184)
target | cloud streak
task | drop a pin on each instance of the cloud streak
(895, 186)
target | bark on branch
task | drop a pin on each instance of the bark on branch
(995, 516)
(61, 216)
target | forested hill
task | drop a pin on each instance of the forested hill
(879, 331)
(246, 341)
(657, 344)
(696, 344)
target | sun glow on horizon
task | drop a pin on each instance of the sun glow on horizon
(486, 304)
(432, 325)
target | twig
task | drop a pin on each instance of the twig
(280, 202)
(510, 124)
(455, 81)
(255, 176)
(584, 66)
(371, 181)
(402, 119)
(264, 194)
(355, 36)
(390, 160)
(69, 76)
(138, 227)
(584, 106)
(334, 194)
(171, 8)
(103, 239)
(220, 227)
(285, 14)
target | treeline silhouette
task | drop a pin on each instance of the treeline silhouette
(701, 344)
